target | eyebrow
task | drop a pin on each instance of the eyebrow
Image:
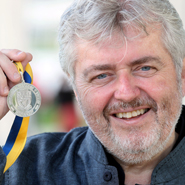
(104, 67)
(145, 60)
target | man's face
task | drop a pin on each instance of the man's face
(129, 94)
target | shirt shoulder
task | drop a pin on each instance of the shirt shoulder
(58, 136)
(48, 144)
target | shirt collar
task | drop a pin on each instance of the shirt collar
(95, 148)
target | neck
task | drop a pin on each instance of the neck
(141, 173)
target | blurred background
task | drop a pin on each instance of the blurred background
(32, 25)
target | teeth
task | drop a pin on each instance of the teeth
(119, 115)
(131, 114)
(142, 111)
(134, 114)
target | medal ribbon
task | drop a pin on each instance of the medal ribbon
(17, 137)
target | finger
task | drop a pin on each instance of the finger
(18, 55)
(4, 107)
(14, 54)
(9, 68)
(28, 59)
(4, 89)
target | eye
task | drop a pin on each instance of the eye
(146, 68)
(101, 76)
(145, 71)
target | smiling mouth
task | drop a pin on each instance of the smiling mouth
(133, 114)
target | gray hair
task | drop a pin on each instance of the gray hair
(95, 20)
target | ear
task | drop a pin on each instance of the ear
(183, 77)
(69, 77)
(76, 95)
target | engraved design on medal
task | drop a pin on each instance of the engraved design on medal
(24, 100)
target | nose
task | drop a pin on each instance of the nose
(126, 88)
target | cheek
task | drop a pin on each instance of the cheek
(163, 91)
(156, 88)
(95, 99)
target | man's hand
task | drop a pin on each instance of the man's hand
(9, 75)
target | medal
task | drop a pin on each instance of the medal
(24, 99)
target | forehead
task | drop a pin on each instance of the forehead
(121, 50)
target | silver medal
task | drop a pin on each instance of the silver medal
(24, 99)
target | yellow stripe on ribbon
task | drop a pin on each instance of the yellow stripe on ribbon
(18, 133)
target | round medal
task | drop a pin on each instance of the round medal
(24, 99)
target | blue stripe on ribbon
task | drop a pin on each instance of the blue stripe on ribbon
(13, 134)
(27, 77)
(16, 124)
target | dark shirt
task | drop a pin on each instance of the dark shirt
(78, 158)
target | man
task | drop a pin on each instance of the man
(126, 63)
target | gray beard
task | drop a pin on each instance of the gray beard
(142, 148)
(125, 151)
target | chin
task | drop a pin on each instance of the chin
(137, 148)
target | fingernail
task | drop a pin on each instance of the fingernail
(16, 75)
(19, 52)
(6, 90)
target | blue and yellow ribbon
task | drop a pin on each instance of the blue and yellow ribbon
(17, 137)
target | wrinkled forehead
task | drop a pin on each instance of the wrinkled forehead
(118, 39)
